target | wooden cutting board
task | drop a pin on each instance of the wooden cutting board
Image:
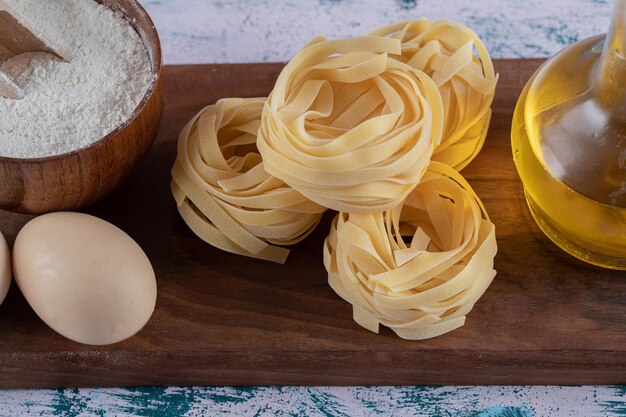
(222, 319)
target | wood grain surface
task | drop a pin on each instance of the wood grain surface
(222, 319)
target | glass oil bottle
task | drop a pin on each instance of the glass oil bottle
(569, 146)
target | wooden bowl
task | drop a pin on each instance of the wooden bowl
(79, 178)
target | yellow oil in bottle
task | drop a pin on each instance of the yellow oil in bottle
(569, 147)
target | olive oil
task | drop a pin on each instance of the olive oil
(569, 146)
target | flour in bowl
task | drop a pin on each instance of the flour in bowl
(70, 105)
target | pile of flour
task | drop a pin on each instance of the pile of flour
(68, 106)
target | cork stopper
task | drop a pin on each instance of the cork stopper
(17, 36)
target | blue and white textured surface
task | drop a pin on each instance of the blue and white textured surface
(216, 31)
(321, 402)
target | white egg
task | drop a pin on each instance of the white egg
(5, 268)
(84, 277)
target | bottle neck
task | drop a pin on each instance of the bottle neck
(611, 83)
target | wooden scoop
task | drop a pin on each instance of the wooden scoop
(17, 36)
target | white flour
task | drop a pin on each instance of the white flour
(68, 106)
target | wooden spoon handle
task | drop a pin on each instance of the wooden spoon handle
(18, 35)
(9, 89)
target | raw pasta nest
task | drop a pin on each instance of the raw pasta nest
(445, 51)
(223, 193)
(348, 126)
(423, 289)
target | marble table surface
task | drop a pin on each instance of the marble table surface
(217, 31)
(494, 401)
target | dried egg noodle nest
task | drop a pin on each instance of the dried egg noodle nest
(223, 193)
(445, 51)
(348, 126)
(424, 289)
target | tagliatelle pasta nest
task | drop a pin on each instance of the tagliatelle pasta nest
(350, 127)
(375, 127)
(445, 50)
(224, 194)
(426, 287)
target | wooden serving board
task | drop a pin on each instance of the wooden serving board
(223, 319)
